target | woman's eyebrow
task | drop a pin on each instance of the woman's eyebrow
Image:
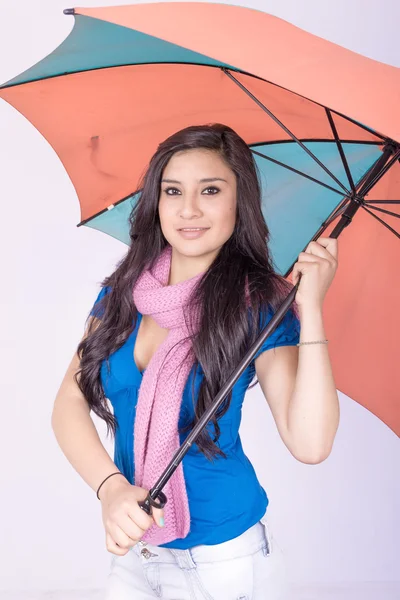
(206, 180)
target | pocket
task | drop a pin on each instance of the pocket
(152, 576)
(270, 575)
(268, 537)
(225, 579)
(269, 567)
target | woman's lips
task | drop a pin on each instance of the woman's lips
(192, 233)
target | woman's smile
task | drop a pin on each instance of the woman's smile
(191, 233)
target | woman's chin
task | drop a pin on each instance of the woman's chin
(194, 248)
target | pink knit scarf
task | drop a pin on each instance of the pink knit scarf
(156, 436)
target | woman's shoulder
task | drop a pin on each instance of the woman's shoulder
(286, 333)
(98, 305)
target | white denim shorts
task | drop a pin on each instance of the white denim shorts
(248, 567)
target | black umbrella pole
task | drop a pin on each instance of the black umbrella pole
(156, 498)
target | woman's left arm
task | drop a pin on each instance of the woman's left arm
(298, 382)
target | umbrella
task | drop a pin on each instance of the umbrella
(322, 123)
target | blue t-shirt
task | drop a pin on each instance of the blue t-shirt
(225, 497)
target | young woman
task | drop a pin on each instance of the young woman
(183, 306)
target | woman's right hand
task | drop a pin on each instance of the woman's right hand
(124, 521)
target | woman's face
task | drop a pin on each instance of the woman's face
(197, 204)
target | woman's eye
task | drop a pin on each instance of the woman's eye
(167, 190)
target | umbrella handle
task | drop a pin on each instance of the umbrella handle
(158, 502)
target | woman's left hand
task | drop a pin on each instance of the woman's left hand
(317, 266)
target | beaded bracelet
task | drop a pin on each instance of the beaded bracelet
(116, 473)
(317, 342)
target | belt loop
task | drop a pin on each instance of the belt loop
(267, 537)
(191, 559)
(184, 559)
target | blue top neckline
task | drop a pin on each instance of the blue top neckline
(135, 331)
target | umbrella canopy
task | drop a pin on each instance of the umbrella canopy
(316, 116)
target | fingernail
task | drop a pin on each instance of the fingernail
(161, 521)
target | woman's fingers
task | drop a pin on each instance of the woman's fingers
(325, 248)
(157, 513)
(158, 516)
(126, 534)
(119, 542)
(131, 528)
(113, 547)
(138, 515)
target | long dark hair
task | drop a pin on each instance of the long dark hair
(226, 331)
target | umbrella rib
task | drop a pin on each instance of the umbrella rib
(381, 173)
(319, 140)
(387, 212)
(375, 133)
(340, 149)
(381, 221)
(382, 202)
(336, 213)
(278, 122)
(281, 164)
(339, 209)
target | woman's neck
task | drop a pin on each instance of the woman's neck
(185, 267)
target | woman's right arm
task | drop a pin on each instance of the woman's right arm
(77, 436)
(78, 439)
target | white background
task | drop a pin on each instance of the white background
(337, 521)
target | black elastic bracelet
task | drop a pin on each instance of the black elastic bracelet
(98, 489)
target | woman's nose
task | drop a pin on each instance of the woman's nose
(189, 206)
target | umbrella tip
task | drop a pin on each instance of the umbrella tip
(69, 11)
